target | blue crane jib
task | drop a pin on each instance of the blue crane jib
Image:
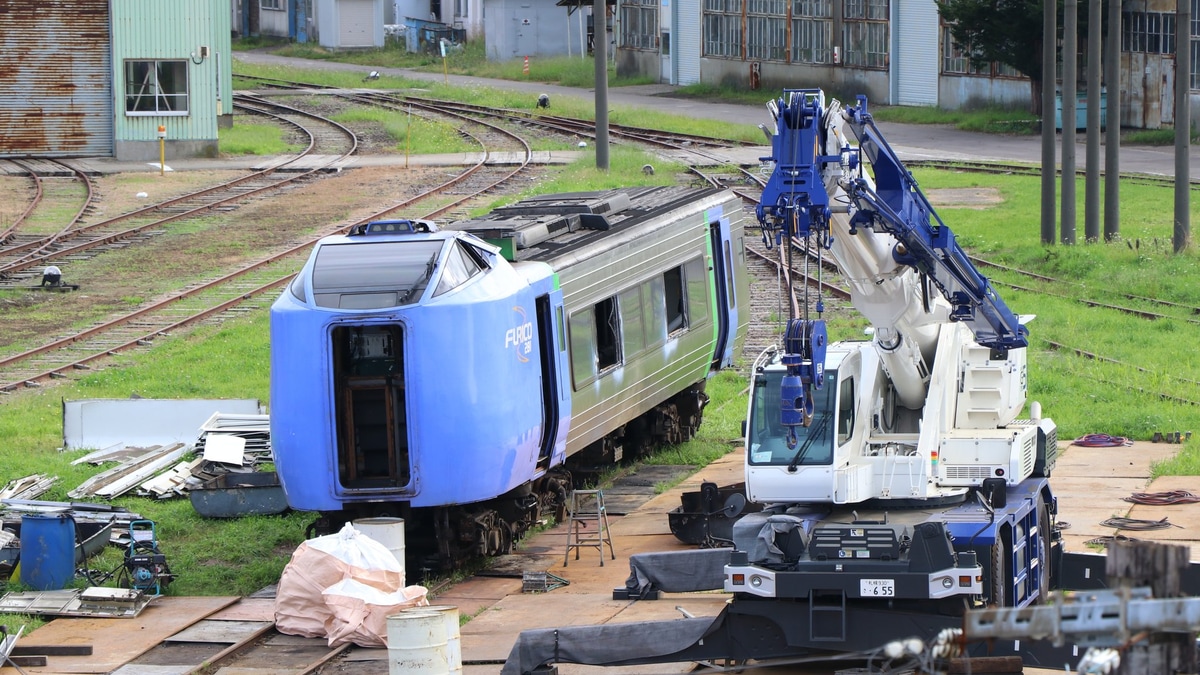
(796, 203)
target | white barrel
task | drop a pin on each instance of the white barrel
(449, 614)
(387, 531)
(417, 644)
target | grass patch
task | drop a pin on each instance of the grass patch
(253, 139)
(411, 133)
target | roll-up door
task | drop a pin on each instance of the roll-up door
(915, 68)
(55, 79)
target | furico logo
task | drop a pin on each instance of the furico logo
(520, 337)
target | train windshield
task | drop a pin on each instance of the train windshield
(768, 436)
(374, 275)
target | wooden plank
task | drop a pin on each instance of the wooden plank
(231, 632)
(52, 650)
(118, 641)
(248, 609)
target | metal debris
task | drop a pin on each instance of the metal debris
(29, 487)
(128, 474)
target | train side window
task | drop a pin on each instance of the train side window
(729, 276)
(845, 418)
(583, 346)
(459, 267)
(694, 275)
(656, 327)
(674, 300)
(632, 332)
(608, 334)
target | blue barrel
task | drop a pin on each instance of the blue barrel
(47, 551)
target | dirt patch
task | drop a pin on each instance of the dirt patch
(965, 198)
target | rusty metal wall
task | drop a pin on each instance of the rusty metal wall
(55, 79)
(1147, 90)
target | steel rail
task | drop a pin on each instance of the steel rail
(89, 198)
(37, 198)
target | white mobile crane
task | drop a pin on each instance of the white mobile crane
(899, 487)
(858, 447)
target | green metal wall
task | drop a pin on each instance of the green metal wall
(151, 29)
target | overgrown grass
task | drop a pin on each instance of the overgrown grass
(411, 133)
(253, 139)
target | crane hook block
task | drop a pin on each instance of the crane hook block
(804, 356)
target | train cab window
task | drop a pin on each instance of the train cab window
(675, 300)
(462, 263)
(845, 419)
(373, 275)
(697, 292)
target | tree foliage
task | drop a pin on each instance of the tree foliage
(1008, 31)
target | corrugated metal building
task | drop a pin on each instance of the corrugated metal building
(98, 77)
(350, 24)
(895, 51)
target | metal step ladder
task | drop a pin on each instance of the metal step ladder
(587, 525)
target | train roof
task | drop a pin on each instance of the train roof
(546, 227)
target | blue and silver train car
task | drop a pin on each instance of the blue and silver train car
(457, 377)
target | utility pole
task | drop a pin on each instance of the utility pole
(1049, 172)
(1112, 148)
(1070, 89)
(1091, 199)
(600, 54)
(1183, 123)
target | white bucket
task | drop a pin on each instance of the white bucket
(387, 531)
(417, 644)
(449, 614)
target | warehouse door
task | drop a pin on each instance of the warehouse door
(686, 50)
(56, 92)
(914, 62)
(355, 19)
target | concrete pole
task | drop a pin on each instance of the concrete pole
(1112, 147)
(1049, 61)
(1183, 123)
(1069, 88)
(600, 55)
(1091, 213)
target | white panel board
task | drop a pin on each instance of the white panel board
(143, 422)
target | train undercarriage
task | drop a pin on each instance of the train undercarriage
(442, 539)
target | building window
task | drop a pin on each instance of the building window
(956, 58)
(1148, 32)
(639, 24)
(723, 28)
(156, 88)
(865, 33)
(812, 31)
(766, 28)
(271, 4)
(1195, 40)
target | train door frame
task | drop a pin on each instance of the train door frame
(726, 292)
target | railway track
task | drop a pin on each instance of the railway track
(25, 233)
(331, 144)
(244, 289)
(483, 176)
